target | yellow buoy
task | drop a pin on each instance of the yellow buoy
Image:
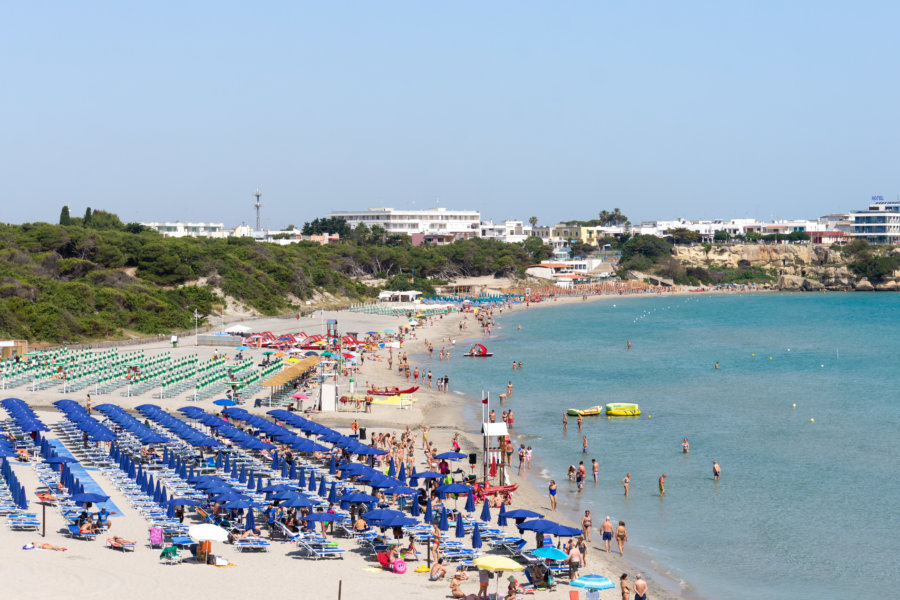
(648, 416)
(770, 358)
(754, 354)
(812, 420)
(795, 405)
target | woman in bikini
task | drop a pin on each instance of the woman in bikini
(625, 587)
(626, 481)
(621, 537)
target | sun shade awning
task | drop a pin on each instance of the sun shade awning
(292, 372)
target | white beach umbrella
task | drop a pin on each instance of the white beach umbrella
(207, 532)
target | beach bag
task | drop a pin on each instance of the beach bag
(399, 566)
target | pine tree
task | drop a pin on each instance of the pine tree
(88, 217)
(64, 218)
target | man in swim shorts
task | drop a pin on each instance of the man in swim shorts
(640, 588)
(607, 528)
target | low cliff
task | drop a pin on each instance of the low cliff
(796, 267)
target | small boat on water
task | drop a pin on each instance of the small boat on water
(622, 409)
(478, 351)
(391, 391)
(585, 412)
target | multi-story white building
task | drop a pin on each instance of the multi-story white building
(878, 225)
(461, 224)
(507, 231)
(179, 229)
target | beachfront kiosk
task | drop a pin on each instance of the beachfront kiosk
(494, 437)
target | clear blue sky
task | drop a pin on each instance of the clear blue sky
(178, 111)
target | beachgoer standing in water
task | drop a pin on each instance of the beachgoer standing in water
(685, 446)
(662, 485)
(565, 421)
(717, 364)
(607, 528)
(583, 443)
(595, 469)
(628, 345)
(552, 491)
(580, 421)
(626, 482)
(717, 470)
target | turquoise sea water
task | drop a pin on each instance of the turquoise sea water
(803, 509)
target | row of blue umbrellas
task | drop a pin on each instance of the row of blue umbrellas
(23, 415)
(86, 423)
(144, 434)
(16, 489)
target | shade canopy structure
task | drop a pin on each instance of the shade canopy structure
(237, 329)
(291, 373)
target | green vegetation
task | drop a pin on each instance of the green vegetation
(98, 278)
(870, 262)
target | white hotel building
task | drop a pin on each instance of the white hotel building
(433, 222)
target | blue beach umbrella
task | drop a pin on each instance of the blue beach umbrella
(242, 478)
(476, 537)
(191, 471)
(470, 502)
(83, 498)
(234, 469)
(414, 509)
(274, 460)
(258, 480)
(550, 552)
(486, 511)
(413, 478)
(250, 521)
(284, 468)
(323, 491)
(593, 582)
(170, 511)
(521, 513)
(429, 514)
(332, 470)
(218, 460)
(301, 476)
(292, 474)
(443, 524)
(402, 475)
(501, 517)
(251, 483)
(391, 472)
(332, 493)
(312, 481)
(226, 464)
(460, 528)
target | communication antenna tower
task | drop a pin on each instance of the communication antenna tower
(257, 205)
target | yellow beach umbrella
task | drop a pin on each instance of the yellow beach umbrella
(497, 563)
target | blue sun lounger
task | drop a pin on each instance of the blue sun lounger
(76, 532)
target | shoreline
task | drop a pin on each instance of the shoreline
(446, 413)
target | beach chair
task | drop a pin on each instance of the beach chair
(157, 537)
(170, 556)
(117, 543)
(75, 532)
(319, 548)
(256, 544)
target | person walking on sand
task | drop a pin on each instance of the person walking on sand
(621, 537)
(662, 485)
(640, 588)
(717, 470)
(607, 529)
(552, 493)
(626, 482)
(586, 522)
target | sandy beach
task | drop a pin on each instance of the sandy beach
(90, 569)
